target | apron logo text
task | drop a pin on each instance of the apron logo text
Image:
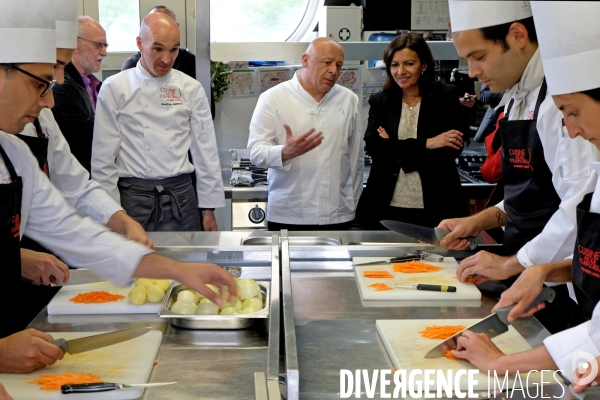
(520, 158)
(170, 94)
(589, 259)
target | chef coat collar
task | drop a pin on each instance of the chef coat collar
(307, 95)
(531, 79)
(141, 72)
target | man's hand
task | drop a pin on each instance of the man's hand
(3, 394)
(488, 266)
(209, 223)
(26, 351)
(468, 100)
(459, 228)
(196, 276)
(522, 293)
(479, 350)
(297, 145)
(579, 376)
(38, 267)
(122, 223)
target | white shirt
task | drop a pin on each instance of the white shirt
(47, 218)
(322, 186)
(70, 178)
(144, 128)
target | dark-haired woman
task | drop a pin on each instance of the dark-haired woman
(414, 134)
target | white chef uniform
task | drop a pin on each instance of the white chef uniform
(48, 219)
(69, 177)
(144, 128)
(569, 39)
(322, 186)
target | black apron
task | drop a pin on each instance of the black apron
(529, 195)
(586, 258)
(10, 226)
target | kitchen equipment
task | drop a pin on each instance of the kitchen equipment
(60, 303)
(406, 348)
(446, 276)
(589, 393)
(493, 325)
(81, 276)
(213, 321)
(425, 234)
(435, 288)
(106, 386)
(418, 256)
(249, 215)
(130, 361)
(75, 346)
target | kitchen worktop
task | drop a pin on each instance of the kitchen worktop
(334, 329)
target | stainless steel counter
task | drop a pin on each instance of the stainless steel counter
(333, 329)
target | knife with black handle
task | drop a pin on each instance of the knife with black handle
(106, 386)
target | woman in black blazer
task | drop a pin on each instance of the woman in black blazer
(413, 176)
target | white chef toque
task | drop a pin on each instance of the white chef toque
(474, 14)
(66, 24)
(569, 39)
(27, 31)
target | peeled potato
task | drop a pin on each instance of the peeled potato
(187, 296)
(253, 302)
(163, 283)
(145, 282)
(137, 295)
(155, 293)
(249, 310)
(183, 308)
(229, 311)
(207, 308)
(213, 288)
(247, 288)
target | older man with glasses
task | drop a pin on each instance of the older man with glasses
(75, 106)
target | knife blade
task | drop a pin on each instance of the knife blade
(75, 346)
(408, 257)
(425, 234)
(106, 386)
(421, 286)
(493, 325)
(81, 276)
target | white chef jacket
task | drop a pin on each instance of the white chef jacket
(568, 160)
(47, 218)
(70, 178)
(144, 128)
(322, 186)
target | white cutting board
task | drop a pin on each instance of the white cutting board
(127, 362)
(464, 291)
(407, 348)
(60, 303)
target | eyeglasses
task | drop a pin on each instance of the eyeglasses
(49, 84)
(97, 45)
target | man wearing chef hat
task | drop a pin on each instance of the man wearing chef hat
(546, 174)
(569, 39)
(32, 205)
(50, 148)
(140, 153)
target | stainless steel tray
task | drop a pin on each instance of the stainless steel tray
(294, 241)
(213, 321)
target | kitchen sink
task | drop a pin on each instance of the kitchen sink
(294, 241)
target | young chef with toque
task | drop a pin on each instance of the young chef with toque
(546, 174)
(575, 89)
(32, 205)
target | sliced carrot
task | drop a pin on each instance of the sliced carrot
(380, 286)
(96, 297)
(441, 331)
(377, 274)
(54, 382)
(412, 267)
(448, 354)
(469, 279)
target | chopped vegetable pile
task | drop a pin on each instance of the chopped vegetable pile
(377, 274)
(96, 297)
(380, 286)
(448, 354)
(54, 382)
(412, 267)
(441, 331)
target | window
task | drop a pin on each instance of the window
(121, 20)
(261, 20)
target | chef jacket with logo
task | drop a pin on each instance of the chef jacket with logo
(47, 218)
(144, 128)
(322, 186)
(70, 178)
(568, 160)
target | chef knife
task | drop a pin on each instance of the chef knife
(493, 325)
(425, 234)
(410, 257)
(80, 276)
(589, 393)
(75, 346)
(435, 288)
(106, 386)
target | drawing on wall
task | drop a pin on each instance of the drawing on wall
(272, 77)
(429, 15)
(350, 79)
(242, 83)
(368, 88)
